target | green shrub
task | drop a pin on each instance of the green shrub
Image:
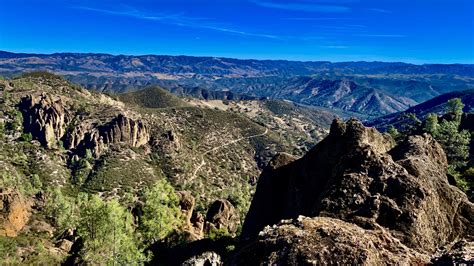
(107, 232)
(215, 234)
(26, 137)
(161, 212)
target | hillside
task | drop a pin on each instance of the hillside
(58, 136)
(436, 105)
(152, 97)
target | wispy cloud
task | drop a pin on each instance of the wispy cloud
(382, 35)
(380, 10)
(312, 19)
(177, 20)
(335, 46)
(306, 6)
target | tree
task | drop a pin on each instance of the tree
(161, 213)
(413, 123)
(455, 106)
(393, 132)
(455, 143)
(431, 124)
(107, 232)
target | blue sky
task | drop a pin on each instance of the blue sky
(417, 31)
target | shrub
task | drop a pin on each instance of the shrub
(161, 212)
(106, 230)
(26, 137)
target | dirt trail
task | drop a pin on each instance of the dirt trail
(203, 162)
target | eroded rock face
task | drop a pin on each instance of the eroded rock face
(96, 138)
(45, 118)
(14, 213)
(356, 175)
(326, 241)
(222, 215)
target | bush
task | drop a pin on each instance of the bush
(26, 137)
(161, 212)
(106, 230)
(215, 234)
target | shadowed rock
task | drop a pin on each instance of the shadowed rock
(356, 175)
(45, 118)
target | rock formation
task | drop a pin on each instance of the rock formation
(357, 175)
(45, 118)
(204, 259)
(222, 215)
(193, 226)
(326, 241)
(121, 129)
(14, 212)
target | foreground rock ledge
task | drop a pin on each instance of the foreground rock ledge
(387, 201)
(324, 240)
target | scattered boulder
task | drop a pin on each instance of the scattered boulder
(222, 215)
(42, 227)
(326, 241)
(65, 245)
(14, 212)
(357, 175)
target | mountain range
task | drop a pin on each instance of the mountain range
(368, 89)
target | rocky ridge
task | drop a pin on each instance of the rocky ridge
(358, 183)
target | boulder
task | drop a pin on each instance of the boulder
(222, 215)
(192, 228)
(358, 175)
(65, 245)
(14, 212)
(204, 259)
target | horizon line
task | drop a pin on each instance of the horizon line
(239, 58)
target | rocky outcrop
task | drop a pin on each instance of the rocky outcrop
(193, 222)
(45, 118)
(326, 241)
(357, 175)
(222, 215)
(14, 212)
(121, 130)
(205, 259)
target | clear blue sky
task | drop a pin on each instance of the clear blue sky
(418, 31)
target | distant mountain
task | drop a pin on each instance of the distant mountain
(210, 66)
(436, 105)
(365, 88)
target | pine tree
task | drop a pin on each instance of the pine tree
(161, 213)
(107, 232)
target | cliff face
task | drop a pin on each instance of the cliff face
(45, 118)
(50, 120)
(357, 175)
(96, 138)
